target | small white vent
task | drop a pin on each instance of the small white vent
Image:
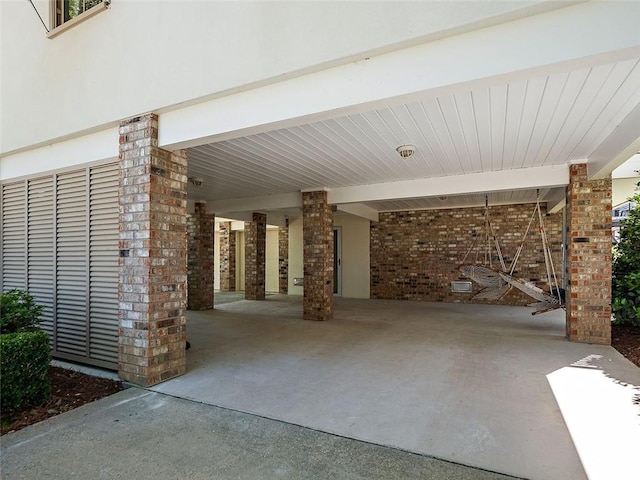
(461, 287)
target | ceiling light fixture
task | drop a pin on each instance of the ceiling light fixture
(196, 181)
(406, 151)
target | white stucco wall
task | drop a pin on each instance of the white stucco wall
(623, 188)
(141, 56)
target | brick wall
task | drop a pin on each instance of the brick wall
(317, 227)
(589, 257)
(283, 259)
(227, 258)
(153, 255)
(255, 237)
(200, 229)
(415, 255)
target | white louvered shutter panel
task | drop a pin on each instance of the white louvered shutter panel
(40, 247)
(103, 263)
(71, 263)
(13, 236)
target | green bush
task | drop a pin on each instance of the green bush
(626, 270)
(19, 312)
(24, 367)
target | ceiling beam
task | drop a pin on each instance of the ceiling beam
(538, 45)
(526, 178)
(359, 210)
(260, 203)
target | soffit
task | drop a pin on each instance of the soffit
(533, 122)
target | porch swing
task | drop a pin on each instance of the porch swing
(497, 283)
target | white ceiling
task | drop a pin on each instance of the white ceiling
(534, 122)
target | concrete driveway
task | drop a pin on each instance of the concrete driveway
(492, 389)
(472, 384)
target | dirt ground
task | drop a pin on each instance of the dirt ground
(70, 389)
(626, 339)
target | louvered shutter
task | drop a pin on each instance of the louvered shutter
(40, 247)
(71, 263)
(60, 242)
(103, 263)
(13, 236)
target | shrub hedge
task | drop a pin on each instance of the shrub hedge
(24, 367)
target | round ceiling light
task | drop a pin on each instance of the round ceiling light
(406, 151)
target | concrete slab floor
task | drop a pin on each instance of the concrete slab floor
(464, 383)
(142, 435)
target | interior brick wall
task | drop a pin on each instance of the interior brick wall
(255, 235)
(200, 278)
(153, 255)
(227, 257)
(415, 255)
(283, 259)
(317, 228)
(589, 257)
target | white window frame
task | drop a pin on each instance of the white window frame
(57, 30)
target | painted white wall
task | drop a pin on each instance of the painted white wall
(296, 264)
(156, 55)
(272, 283)
(216, 260)
(623, 188)
(355, 255)
(240, 261)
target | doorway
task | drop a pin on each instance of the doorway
(337, 261)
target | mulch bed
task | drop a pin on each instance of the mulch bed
(626, 339)
(70, 389)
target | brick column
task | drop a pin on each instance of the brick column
(255, 246)
(200, 260)
(227, 258)
(283, 258)
(317, 226)
(588, 258)
(153, 255)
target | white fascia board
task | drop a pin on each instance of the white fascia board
(524, 178)
(537, 45)
(90, 148)
(257, 204)
(359, 210)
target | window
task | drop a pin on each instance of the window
(66, 13)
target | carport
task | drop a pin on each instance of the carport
(474, 384)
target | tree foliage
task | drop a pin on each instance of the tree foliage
(626, 269)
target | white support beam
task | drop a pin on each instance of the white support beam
(276, 219)
(359, 210)
(257, 204)
(525, 178)
(556, 201)
(537, 45)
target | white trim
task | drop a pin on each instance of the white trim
(94, 147)
(101, 7)
(502, 180)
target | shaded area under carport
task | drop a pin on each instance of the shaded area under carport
(465, 383)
